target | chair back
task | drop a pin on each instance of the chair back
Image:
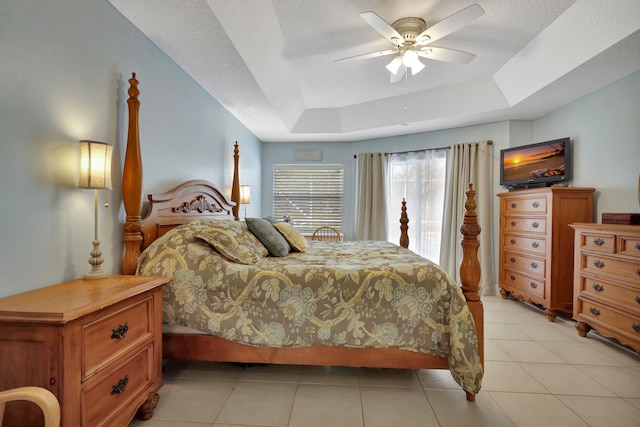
(40, 396)
(327, 234)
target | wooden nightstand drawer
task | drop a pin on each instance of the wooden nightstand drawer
(107, 393)
(630, 246)
(525, 244)
(612, 266)
(623, 294)
(526, 205)
(114, 332)
(529, 265)
(527, 284)
(627, 324)
(528, 225)
(598, 242)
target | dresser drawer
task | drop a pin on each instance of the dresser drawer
(524, 283)
(630, 246)
(111, 390)
(529, 225)
(605, 243)
(525, 244)
(113, 333)
(526, 205)
(529, 265)
(614, 266)
(627, 324)
(626, 295)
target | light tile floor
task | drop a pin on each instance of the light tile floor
(537, 373)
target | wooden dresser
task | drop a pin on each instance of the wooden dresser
(96, 344)
(536, 244)
(607, 281)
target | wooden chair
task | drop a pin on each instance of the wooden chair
(38, 395)
(327, 234)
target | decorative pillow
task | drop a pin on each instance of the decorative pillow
(234, 241)
(272, 219)
(269, 236)
(297, 241)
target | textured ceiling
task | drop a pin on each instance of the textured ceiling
(271, 63)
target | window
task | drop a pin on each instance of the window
(419, 178)
(311, 195)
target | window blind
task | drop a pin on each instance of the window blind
(311, 195)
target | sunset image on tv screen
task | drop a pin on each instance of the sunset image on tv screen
(534, 162)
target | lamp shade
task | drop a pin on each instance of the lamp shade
(95, 165)
(245, 194)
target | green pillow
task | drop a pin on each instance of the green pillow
(269, 236)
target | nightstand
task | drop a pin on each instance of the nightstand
(95, 344)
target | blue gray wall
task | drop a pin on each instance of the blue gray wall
(65, 66)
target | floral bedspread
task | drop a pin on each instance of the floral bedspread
(353, 294)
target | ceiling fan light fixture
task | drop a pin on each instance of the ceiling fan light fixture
(416, 67)
(394, 65)
(409, 58)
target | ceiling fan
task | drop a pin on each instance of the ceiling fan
(412, 40)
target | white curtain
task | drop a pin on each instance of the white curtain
(468, 163)
(419, 178)
(371, 205)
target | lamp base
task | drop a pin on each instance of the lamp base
(99, 274)
(96, 261)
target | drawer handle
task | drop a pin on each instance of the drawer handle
(638, 299)
(120, 332)
(120, 386)
(512, 277)
(513, 241)
(598, 241)
(638, 272)
(533, 285)
(535, 225)
(536, 204)
(594, 311)
(635, 327)
(513, 223)
(535, 245)
(514, 205)
(534, 265)
(598, 264)
(638, 246)
(512, 259)
(597, 287)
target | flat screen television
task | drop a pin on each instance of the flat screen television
(536, 165)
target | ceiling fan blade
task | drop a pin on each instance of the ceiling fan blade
(383, 27)
(450, 24)
(399, 75)
(446, 55)
(368, 55)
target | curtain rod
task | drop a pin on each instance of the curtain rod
(424, 150)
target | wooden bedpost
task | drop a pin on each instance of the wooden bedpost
(470, 266)
(404, 227)
(132, 184)
(235, 186)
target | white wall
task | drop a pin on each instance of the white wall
(65, 66)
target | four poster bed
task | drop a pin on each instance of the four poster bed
(362, 304)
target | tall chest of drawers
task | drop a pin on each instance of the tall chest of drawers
(95, 344)
(536, 244)
(607, 281)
